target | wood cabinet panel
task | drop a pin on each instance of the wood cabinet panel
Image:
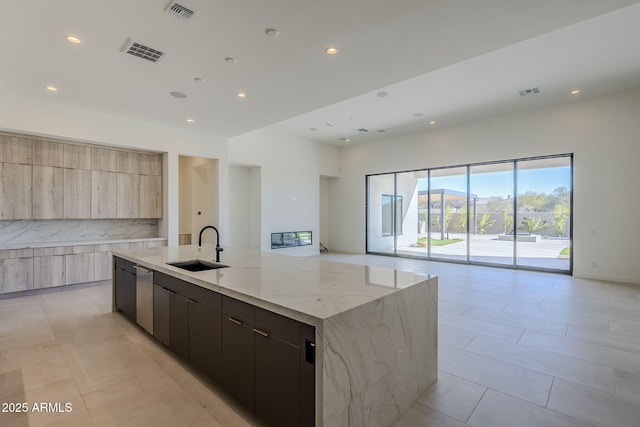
(104, 159)
(79, 268)
(16, 149)
(16, 274)
(128, 162)
(48, 153)
(103, 194)
(150, 196)
(48, 271)
(205, 340)
(77, 193)
(102, 266)
(127, 195)
(48, 192)
(151, 164)
(77, 156)
(15, 191)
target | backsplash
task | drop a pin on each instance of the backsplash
(74, 230)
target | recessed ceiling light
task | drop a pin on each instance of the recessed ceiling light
(73, 39)
(575, 91)
(51, 88)
(382, 94)
(331, 50)
(272, 32)
(345, 139)
(230, 60)
(241, 95)
(178, 95)
(199, 80)
(313, 129)
(432, 122)
(328, 124)
(418, 114)
(190, 120)
(382, 130)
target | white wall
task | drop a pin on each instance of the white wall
(59, 120)
(604, 134)
(290, 170)
(240, 205)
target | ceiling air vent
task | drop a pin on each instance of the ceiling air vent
(532, 91)
(180, 10)
(142, 51)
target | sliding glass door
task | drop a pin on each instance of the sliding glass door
(514, 213)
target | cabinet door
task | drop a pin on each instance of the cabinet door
(277, 367)
(48, 192)
(205, 339)
(15, 191)
(125, 290)
(161, 323)
(77, 193)
(150, 196)
(103, 194)
(127, 195)
(179, 325)
(237, 361)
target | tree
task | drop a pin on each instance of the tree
(533, 224)
(462, 221)
(484, 222)
(531, 201)
(560, 216)
(507, 221)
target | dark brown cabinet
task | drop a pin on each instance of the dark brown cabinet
(187, 320)
(125, 287)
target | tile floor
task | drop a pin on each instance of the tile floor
(516, 348)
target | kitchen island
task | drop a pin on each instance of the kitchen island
(373, 347)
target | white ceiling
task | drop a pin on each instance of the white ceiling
(449, 60)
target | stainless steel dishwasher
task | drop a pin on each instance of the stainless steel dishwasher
(144, 298)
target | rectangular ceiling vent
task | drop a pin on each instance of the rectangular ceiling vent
(181, 10)
(142, 51)
(532, 91)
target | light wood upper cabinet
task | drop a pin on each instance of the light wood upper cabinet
(104, 159)
(127, 195)
(103, 194)
(151, 164)
(15, 191)
(16, 149)
(150, 196)
(128, 162)
(77, 157)
(48, 192)
(48, 153)
(77, 193)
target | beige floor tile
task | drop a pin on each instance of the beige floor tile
(156, 351)
(62, 305)
(23, 325)
(517, 320)
(100, 296)
(454, 337)
(604, 338)
(482, 327)
(583, 350)
(421, 416)
(71, 331)
(150, 399)
(500, 410)
(562, 314)
(60, 405)
(550, 363)
(26, 368)
(519, 382)
(215, 402)
(627, 385)
(453, 396)
(106, 361)
(593, 406)
(625, 328)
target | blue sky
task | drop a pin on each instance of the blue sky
(501, 183)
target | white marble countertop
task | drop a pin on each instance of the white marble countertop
(304, 288)
(77, 243)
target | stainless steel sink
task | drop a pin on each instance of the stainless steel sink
(197, 265)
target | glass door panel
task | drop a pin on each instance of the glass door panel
(448, 214)
(382, 204)
(543, 213)
(411, 237)
(491, 213)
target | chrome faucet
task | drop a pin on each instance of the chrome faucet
(218, 248)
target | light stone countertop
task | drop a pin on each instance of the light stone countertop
(78, 243)
(306, 289)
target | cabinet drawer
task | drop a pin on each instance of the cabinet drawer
(124, 264)
(278, 326)
(193, 292)
(239, 310)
